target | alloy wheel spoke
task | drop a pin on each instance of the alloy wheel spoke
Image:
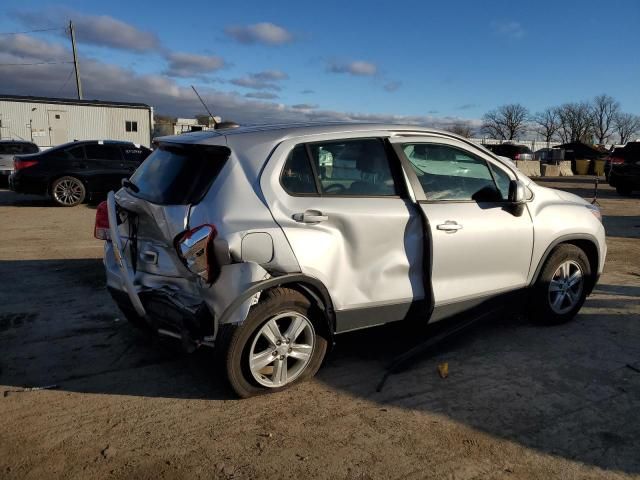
(271, 332)
(300, 351)
(565, 270)
(279, 376)
(555, 286)
(557, 302)
(297, 326)
(575, 278)
(262, 359)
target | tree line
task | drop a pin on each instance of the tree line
(599, 121)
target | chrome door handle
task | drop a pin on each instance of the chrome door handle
(449, 226)
(310, 216)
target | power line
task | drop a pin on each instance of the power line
(30, 64)
(33, 31)
(66, 81)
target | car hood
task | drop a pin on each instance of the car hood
(569, 197)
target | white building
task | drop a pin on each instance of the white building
(53, 121)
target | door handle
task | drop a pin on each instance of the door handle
(310, 216)
(449, 226)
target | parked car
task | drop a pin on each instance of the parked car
(512, 151)
(72, 172)
(268, 242)
(620, 155)
(8, 150)
(625, 175)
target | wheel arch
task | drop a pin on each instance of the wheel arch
(310, 287)
(587, 243)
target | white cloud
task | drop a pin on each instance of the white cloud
(191, 65)
(101, 30)
(111, 82)
(392, 86)
(261, 95)
(261, 80)
(508, 28)
(265, 33)
(357, 67)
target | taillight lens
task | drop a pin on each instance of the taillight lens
(101, 230)
(616, 160)
(195, 249)
(517, 157)
(22, 164)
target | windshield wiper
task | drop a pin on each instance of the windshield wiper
(126, 183)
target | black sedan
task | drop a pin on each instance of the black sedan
(72, 172)
(625, 175)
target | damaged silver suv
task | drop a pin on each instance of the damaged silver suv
(267, 241)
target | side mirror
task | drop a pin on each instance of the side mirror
(517, 192)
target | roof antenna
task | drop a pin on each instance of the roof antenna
(216, 125)
(205, 106)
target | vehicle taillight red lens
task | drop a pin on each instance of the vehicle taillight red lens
(195, 249)
(101, 230)
(21, 164)
(616, 160)
(517, 157)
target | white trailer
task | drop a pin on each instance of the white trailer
(52, 121)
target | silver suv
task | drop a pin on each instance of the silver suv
(268, 241)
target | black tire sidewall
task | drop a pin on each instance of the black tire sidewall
(277, 301)
(68, 177)
(543, 313)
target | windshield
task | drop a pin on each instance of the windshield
(178, 174)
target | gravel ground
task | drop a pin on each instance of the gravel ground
(520, 401)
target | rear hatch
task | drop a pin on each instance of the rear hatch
(155, 203)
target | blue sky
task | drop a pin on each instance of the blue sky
(419, 60)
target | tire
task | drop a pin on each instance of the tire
(561, 287)
(68, 191)
(285, 308)
(623, 190)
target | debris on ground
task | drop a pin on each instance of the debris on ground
(30, 389)
(443, 370)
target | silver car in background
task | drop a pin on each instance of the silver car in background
(8, 150)
(268, 241)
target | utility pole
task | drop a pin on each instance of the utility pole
(75, 60)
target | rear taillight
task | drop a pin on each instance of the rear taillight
(22, 164)
(195, 249)
(101, 230)
(517, 157)
(616, 160)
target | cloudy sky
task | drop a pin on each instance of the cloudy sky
(256, 62)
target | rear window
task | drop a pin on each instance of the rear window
(179, 174)
(18, 148)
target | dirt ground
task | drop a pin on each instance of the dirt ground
(520, 401)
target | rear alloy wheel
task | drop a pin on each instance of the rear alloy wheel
(561, 288)
(68, 191)
(277, 345)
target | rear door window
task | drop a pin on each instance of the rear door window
(103, 152)
(179, 174)
(75, 153)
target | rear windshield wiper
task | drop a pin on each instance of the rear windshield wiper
(126, 183)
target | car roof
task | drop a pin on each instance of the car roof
(96, 142)
(282, 131)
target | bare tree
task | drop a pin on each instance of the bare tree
(460, 127)
(626, 125)
(547, 123)
(604, 111)
(576, 122)
(507, 122)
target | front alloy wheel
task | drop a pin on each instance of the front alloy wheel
(565, 287)
(561, 287)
